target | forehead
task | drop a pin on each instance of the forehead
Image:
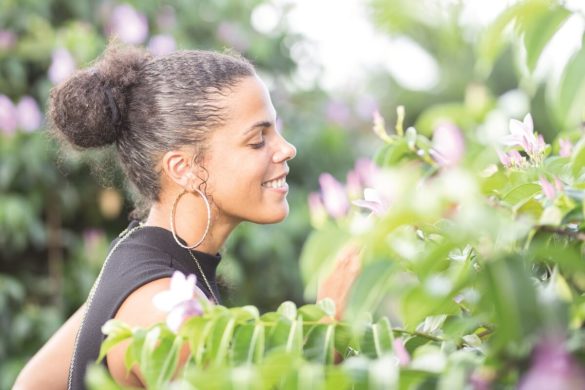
(248, 102)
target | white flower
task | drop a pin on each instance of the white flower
(180, 301)
(522, 134)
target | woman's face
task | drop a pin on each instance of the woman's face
(246, 159)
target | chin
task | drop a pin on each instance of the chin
(274, 217)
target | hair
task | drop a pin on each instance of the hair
(145, 106)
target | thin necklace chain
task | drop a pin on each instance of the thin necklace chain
(203, 275)
(123, 236)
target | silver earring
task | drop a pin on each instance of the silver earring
(202, 195)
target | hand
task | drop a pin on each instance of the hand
(337, 285)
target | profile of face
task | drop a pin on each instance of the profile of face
(246, 158)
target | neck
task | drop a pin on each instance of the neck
(190, 223)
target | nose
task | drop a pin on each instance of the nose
(285, 152)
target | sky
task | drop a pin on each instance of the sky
(345, 44)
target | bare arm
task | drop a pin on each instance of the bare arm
(338, 284)
(48, 369)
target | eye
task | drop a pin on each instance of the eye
(258, 145)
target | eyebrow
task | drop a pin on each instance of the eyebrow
(262, 124)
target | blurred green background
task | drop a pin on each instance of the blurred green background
(59, 211)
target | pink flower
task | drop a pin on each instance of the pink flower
(29, 114)
(548, 189)
(353, 184)
(366, 170)
(7, 39)
(512, 159)
(334, 196)
(401, 352)
(553, 368)
(373, 201)
(180, 301)
(380, 127)
(522, 134)
(62, 65)
(160, 45)
(128, 24)
(233, 35)
(366, 106)
(380, 195)
(8, 115)
(92, 238)
(166, 18)
(448, 145)
(337, 112)
(566, 148)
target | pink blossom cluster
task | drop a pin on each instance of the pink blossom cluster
(25, 115)
(131, 26)
(553, 367)
(365, 187)
(522, 135)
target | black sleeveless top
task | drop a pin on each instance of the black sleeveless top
(147, 254)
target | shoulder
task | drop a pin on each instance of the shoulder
(138, 310)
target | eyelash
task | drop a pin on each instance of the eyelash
(258, 145)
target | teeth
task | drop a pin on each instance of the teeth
(275, 183)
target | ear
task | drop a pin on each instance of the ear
(177, 165)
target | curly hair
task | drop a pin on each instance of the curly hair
(145, 106)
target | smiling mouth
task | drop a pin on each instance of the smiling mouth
(276, 183)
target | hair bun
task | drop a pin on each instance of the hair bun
(90, 108)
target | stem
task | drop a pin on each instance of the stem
(552, 229)
(415, 333)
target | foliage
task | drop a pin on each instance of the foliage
(472, 248)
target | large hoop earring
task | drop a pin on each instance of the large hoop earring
(202, 195)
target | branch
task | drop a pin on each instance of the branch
(563, 232)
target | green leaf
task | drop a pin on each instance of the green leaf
(312, 312)
(117, 332)
(318, 255)
(245, 313)
(578, 159)
(369, 288)
(294, 343)
(346, 343)
(248, 344)
(493, 40)
(391, 154)
(377, 339)
(133, 352)
(521, 194)
(539, 30)
(197, 330)
(319, 346)
(328, 306)
(569, 99)
(159, 356)
(170, 362)
(508, 292)
(219, 340)
(279, 334)
(288, 310)
(98, 378)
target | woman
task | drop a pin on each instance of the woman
(196, 136)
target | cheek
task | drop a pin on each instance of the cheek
(235, 183)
